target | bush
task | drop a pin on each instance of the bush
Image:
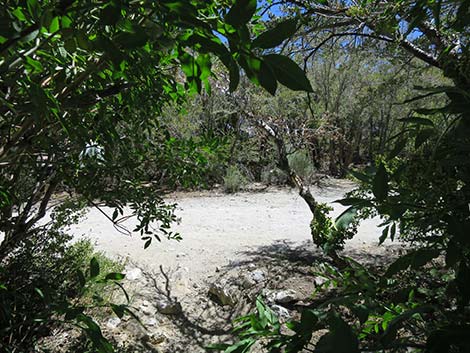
(47, 279)
(234, 180)
(302, 165)
(273, 176)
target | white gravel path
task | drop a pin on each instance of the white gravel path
(220, 229)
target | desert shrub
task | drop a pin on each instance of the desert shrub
(234, 180)
(273, 176)
(301, 164)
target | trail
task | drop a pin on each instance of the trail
(222, 229)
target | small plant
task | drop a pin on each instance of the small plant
(301, 164)
(234, 180)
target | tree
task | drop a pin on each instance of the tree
(421, 301)
(82, 84)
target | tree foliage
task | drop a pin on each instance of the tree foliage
(419, 186)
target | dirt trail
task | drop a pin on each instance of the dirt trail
(234, 248)
(221, 230)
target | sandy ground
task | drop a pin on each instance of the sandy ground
(221, 230)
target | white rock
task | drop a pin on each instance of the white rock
(151, 322)
(134, 274)
(257, 276)
(113, 322)
(281, 312)
(286, 296)
(222, 293)
(319, 281)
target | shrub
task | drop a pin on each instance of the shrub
(46, 280)
(273, 176)
(234, 180)
(302, 165)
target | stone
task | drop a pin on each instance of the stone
(134, 274)
(257, 276)
(168, 307)
(222, 293)
(319, 281)
(154, 338)
(281, 312)
(286, 296)
(247, 282)
(151, 322)
(113, 322)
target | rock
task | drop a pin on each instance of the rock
(281, 312)
(113, 322)
(154, 338)
(134, 274)
(222, 293)
(257, 275)
(151, 322)
(168, 307)
(269, 295)
(286, 296)
(319, 281)
(247, 282)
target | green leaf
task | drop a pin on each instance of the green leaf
(344, 219)
(453, 253)
(267, 80)
(81, 278)
(241, 346)
(54, 26)
(423, 136)
(354, 201)
(414, 259)
(380, 183)
(115, 276)
(417, 121)
(94, 267)
(391, 331)
(361, 311)
(128, 40)
(276, 35)
(288, 72)
(72, 313)
(110, 15)
(234, 72)
(399, 146)
(252, 67)
(340, 339)
(463, 282)
(119, 310)
(366, 178)
(384, 235)
(241, 12)
(18, 13)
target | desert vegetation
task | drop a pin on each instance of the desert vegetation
(114, 105)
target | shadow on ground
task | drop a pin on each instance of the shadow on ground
(200, 321)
